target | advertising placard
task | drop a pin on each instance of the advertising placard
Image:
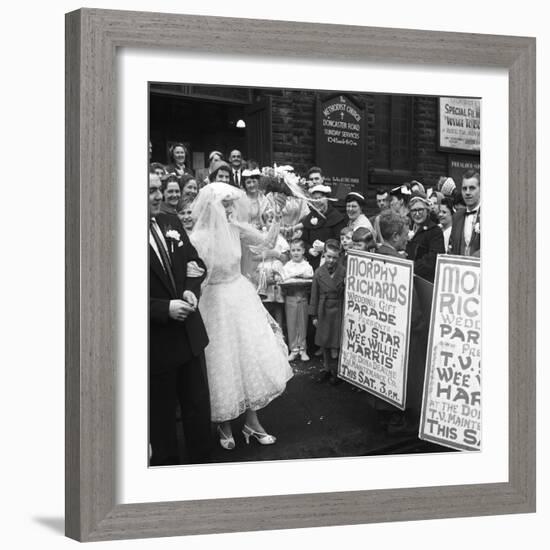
(377, 314)
(460, 124)
(451, 404)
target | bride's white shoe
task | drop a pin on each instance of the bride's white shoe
(227, 442)
(261, 438)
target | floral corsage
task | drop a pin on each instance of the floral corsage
(173, 236)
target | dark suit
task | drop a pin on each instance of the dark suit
(177, 370)
(318, 228)
(423, 249)
(457, 245)
(233, 181)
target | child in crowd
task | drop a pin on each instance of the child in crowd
(363, 239)
(345, 244)
(296, 300)
(345, 238)
(325, 306)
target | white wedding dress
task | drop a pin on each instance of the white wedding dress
(246, 359)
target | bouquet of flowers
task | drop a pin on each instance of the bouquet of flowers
(282, 179)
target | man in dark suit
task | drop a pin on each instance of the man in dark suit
(236, 162)
(177, 338)
(465, 239)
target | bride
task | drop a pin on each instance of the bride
(246, 358)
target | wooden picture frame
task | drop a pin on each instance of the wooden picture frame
(92, 39)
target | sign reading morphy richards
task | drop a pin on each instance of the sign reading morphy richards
(341, 143)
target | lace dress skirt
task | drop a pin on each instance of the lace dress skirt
(246, 358)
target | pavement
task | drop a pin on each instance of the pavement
(319, 420)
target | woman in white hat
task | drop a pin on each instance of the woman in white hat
(355, 203)
(255, 199)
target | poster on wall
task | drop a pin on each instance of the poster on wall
(458, 164)
(451, 404)
(460, 124)
(376, 323)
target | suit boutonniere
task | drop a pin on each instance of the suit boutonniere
(476, 227)
(173, 236)
(314, 221)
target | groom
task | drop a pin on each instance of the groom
(177, 339)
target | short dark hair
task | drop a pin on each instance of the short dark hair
(471, 173)
(186, 203)
(171, 178)
(446, 201)
(363, 235)
(332, 244)
(314, 170)
(391, 223)
(381, 191)
(346, 229)
(156, 166)
(298, 242)
(223, 167)
(185, 178)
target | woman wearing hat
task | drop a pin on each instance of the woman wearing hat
(322, 223)
(355, 203)
(203, 173)
(426, 241)
(255, 199)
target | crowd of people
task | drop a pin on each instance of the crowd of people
(247, 275)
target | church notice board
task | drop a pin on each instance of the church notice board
(451, 404)
(376, 322)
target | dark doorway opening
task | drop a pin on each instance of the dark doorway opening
(203, 126)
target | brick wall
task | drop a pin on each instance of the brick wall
(293, 126)
(293, 123)
(430, 163)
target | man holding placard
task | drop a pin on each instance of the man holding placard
(375, 339)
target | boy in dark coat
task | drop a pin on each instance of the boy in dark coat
(325, 307)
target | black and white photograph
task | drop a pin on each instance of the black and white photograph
(279, 346)
(314, 274)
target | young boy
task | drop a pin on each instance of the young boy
(325, 306)
(296, 300)
(345, 238)
(363, 239)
